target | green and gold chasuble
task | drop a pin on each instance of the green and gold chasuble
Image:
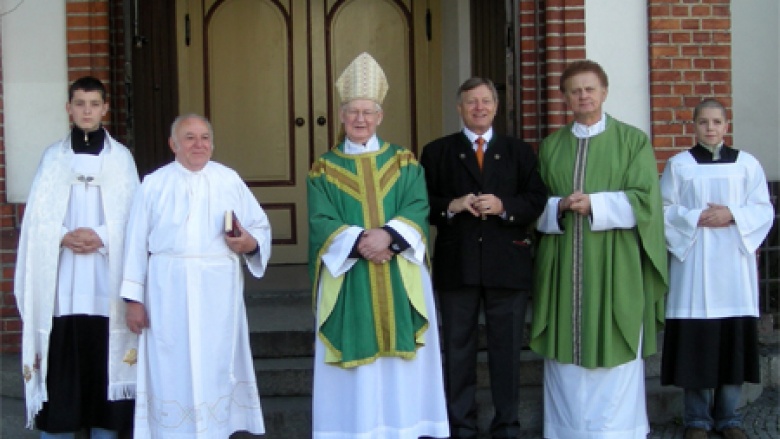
(373, 310)
(595, 292)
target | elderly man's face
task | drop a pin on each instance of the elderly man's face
(585, 94)
(360, 118)
(477, 107)
(192, 144)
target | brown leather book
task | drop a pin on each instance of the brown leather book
(231, 224)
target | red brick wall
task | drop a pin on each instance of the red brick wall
(117, 90)
(88, 41)
(551, 35)
(690, 59)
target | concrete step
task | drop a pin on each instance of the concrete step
(293, 376)
(285, 376)
(280, 326)
(279, 280)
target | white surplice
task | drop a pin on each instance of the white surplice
(390, 398)
(713, 270)
(70, 191)
(82, 281)
(196, 378)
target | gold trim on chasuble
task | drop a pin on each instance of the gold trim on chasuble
(370, 189)
(577, 260)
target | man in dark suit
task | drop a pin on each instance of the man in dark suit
(484, 193)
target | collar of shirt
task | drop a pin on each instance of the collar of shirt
(715, 150)
(87, 143)
(581, 131)
(472, 136)
(352, 148)
(186, 171)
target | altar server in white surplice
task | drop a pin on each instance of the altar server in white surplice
(184, 286)
(717, 213)
(78, 358)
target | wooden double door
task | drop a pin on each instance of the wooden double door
(263, 72)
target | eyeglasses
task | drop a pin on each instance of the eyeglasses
(353, 113)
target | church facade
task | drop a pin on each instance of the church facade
(256, 67)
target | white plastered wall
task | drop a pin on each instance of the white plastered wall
(755, 57)
(455, 59)
(616, 38)
(35, 81)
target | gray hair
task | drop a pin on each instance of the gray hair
(180, 119)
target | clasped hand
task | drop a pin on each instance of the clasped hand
(82, 241)
(576, 202)
(374, 245)
(715, 215)
(477, 205)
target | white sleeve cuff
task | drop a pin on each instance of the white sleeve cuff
(416, 251)
(336, 257)
(610, 210)
(132, 290)
(548, 221)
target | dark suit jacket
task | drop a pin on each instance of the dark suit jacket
(471, 251)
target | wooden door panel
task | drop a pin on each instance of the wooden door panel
(382, 28)
(248, 99)
(256, 67)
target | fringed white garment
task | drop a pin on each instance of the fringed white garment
(38, 258)
(196, 377)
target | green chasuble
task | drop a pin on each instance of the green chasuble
(372, 310)
(595, 292)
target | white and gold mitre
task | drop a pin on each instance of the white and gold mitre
(362, 79)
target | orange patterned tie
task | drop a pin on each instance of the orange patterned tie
(480, 151)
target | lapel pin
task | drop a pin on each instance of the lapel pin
(462, 156)
(498, 156)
